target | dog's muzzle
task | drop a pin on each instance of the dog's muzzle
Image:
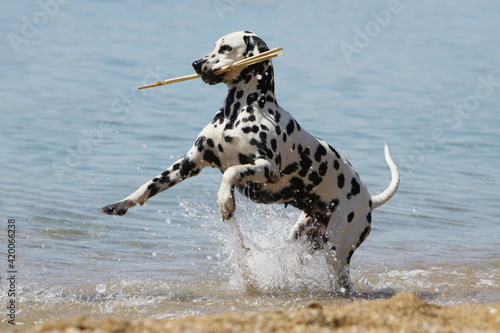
(208, 76)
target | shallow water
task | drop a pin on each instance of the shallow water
(76, 135)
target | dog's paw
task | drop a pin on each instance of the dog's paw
(118, 208)
(225, 198)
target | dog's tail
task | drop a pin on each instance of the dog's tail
(382, 198)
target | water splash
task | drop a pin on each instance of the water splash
(275, 263)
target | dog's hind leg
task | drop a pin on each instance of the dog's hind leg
(339, 268)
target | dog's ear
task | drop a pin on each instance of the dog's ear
(253, 42)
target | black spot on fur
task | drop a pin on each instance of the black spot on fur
(369, 217)
(305, 163)
(274, 144)
(199, 143)
(244, 159)
(334, 151)
(315, 178)
(277, 160)
(349, 256)
(219, 117)
(211, 158)
(246, 173)
(290, 127)
(210, 142)
(277, 116)
(153, 190)
(363, 236)
(229, 101)
(336, 164)
(350, 217)
(224, 48)
(294, 190)
(228, 138)
(250, 118)
(355, 187)
(236, 108)
(340, 180)
(333, 204)
(323, 168)
(164, 178)
(262, 101)
(320, 152)
(252, 98)
(291, 168)
(187, 166)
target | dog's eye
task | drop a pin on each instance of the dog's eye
(225, 48)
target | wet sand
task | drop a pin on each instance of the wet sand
(404, 312)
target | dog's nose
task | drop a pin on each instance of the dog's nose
(197, 65)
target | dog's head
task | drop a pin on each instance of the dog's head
(230, 48)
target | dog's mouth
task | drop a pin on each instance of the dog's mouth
(207, 75)
(211, 78)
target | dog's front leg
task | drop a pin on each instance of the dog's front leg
(187, 166)
(261, 171)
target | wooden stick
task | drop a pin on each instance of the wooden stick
(173, 80)
(276, 52)
(250, 60)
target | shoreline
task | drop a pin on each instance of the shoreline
(403, 312)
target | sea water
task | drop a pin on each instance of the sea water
(76, 135)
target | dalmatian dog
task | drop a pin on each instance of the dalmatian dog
(264, 153)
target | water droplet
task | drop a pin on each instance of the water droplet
(259, 77)
(100, 288)
(153, 254)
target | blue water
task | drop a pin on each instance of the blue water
(76, 135)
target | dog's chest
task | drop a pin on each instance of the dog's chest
(244, 135)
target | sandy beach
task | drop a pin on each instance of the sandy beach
(405, 312)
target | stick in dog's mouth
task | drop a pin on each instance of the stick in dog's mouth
(276, 52)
